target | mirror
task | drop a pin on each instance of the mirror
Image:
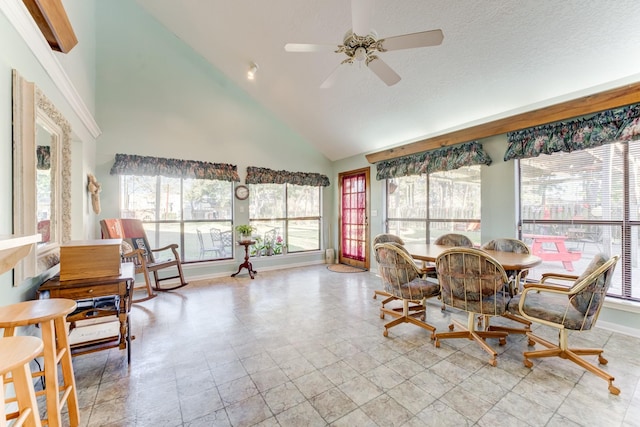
(41, 176)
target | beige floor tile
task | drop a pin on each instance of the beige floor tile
(304, 346)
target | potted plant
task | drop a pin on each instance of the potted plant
(244, 232)
(257, 247)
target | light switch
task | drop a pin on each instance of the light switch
(374, 212)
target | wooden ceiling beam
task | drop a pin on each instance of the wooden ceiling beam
(624, 95)
(53, 23)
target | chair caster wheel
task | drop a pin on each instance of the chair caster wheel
(614, 390)
(531, 342)
(502, 341)
(451, 326)
(385, 333)
(437, 343)
(528, 363)
(602, 360)
(493, 362)
(382, 315)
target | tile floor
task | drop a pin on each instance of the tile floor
(304, 347)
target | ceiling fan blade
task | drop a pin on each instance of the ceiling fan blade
(331, 79)
(305, 47)
(408, 41)
(382, 70)
(361, 16)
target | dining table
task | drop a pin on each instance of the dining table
(508, 260)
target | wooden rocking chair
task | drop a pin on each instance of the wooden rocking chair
(136, 249)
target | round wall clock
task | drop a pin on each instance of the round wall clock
(242, 192)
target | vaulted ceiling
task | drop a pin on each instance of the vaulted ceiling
(498, 58)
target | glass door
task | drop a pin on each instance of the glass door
(354, 218)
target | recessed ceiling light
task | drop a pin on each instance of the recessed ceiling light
(253, 69)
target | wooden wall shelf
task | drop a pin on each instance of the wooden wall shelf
(13, 248)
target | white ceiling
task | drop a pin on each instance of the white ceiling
(498, 58)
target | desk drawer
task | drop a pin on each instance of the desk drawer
(85, 292)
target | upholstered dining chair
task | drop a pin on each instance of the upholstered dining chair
(565, 308)
(453, 239)
(473, 281)
(415, 308)
(385, 238)
(401, 278)
(449, 239)
(515, 278)
(134, 237)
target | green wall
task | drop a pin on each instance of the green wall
(157, 97)
(15, 53)
(152, 95)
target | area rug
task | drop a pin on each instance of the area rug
(343, 268)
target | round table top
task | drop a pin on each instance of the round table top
(508, 260)
(34, 311)
(16, 351)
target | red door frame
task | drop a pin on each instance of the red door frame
(354, 218)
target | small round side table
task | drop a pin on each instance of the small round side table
(246, 264)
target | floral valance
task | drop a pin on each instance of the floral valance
(269, 176)
(43, 155)
(441, 159)
(620, 124)
(130, 164)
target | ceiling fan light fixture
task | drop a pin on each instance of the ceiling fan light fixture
(253, 69)
(362, 44)
(360, 54)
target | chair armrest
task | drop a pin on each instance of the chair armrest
(557, 276)
(174, 250)
(541, 287)
(137, 257)
(427, 271)
(172, 246)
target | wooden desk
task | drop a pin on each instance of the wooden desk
(84, 289)
(508, 260)
(559, 254)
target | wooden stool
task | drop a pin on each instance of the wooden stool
(16, 353)
(50, 314)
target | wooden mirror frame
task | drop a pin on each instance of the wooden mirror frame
(32, 107)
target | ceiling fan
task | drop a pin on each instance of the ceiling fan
(361, 44)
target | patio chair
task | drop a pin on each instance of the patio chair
(204, 249)
(216, 239)
(564, 308)
(134, 237)
(473, 281)
(226, 237)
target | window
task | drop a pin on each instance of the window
(195, 213)
(588, 200)
(292, 212)
(422, 207)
